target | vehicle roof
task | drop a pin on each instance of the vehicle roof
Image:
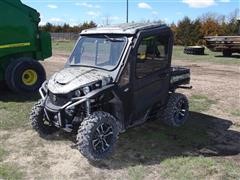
(130, 28)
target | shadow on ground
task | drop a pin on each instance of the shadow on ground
(152, 142)
(233, 56)
(7, 96)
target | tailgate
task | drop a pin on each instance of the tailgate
(179, 76)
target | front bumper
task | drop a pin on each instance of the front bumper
(56, 108)
(57, 113)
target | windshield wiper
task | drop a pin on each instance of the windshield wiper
(114, 39)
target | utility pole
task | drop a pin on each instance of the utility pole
(127, 12)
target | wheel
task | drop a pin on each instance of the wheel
(227, 53)
(97, 136)
(194, 50)
(3, 85)
(177, 110)
(8, 74)
(39, 121)
(25, 75)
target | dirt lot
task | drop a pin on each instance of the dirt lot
(208, 146)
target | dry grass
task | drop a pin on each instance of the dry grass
(207, 147)
(200, 103)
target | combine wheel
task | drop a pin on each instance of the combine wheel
(25, 75)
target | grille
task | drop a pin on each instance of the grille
(58, 99)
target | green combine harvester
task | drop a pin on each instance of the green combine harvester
(22, 45)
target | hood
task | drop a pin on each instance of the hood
(70, 79)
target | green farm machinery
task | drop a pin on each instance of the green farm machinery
(22, 46)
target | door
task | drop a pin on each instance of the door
(152, 71)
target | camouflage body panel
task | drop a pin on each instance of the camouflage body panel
(73, 78)
(177, 78)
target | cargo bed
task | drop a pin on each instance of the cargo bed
(179, 76)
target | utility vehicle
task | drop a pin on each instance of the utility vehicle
(116, 77)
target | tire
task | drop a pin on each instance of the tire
(177, 110)
(25, 75)
(8, 74)
(227, 53)
(3, 86)
(90, 132)
(38, 121)
(194, 50)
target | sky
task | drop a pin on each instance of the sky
(76, 12)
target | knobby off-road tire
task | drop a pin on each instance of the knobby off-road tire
(177, 110)
(25, 75)
(194, 50)
(97, 136)
(38, 121)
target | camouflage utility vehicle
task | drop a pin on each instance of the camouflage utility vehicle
(116, 77)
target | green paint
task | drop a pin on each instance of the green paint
(20, 35)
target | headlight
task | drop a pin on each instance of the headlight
(97, 85)
(86, 90)
(78, 93)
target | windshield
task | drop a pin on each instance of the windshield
(100, 51)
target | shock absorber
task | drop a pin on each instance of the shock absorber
(88, 107)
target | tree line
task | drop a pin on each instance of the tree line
(192, 32)
(186, 31)
(67, 28)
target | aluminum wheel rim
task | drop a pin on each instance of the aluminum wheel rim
(180, 112)
(102, 138)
